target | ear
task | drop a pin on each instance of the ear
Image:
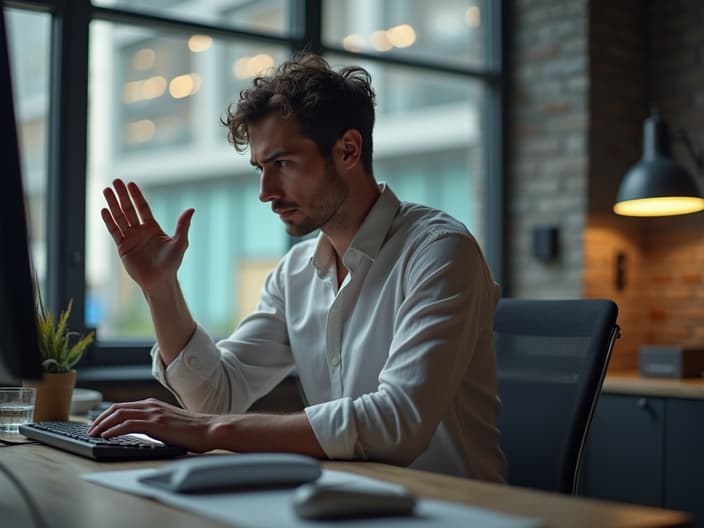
(348, 149)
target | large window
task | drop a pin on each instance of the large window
(29, 46)
(159, 75)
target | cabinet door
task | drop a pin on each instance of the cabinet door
(684, 455)
(623, 456)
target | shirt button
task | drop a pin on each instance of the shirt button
(193, 362)
(335, 360)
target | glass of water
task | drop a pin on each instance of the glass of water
(16, 407)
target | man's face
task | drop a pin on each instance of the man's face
(304, 188)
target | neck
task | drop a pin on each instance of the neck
(343, 229)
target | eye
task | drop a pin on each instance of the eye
(282, 163)
(258, 168)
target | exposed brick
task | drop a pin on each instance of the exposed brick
(583, 85)
(677, 293)
(691, 277)
(692, 312)
(662, 279)
(657, 314)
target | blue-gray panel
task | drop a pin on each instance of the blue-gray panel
(623, 459)
(684, 455)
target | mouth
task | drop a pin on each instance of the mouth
(285, 214)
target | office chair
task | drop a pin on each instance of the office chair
(551, 359)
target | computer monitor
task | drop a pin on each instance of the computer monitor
(19, 347)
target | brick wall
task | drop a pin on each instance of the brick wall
(618, 104)
(548, 150)
(663, 301)
(580, 97)
(674, 246)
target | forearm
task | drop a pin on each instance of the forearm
(290, 433)
(173, 323)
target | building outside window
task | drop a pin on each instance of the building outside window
(155, 97)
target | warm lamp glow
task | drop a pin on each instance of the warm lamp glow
(660, 206)
(184, 85)
(380, 41)
(402, 36)
(353, 42)
(657, 185)
(246, 67)
(472, 17)
(199, 43)
(153, 87)
(144, 59)
(140, 131)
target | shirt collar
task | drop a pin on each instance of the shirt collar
(370, 236)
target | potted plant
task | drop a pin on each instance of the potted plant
(60, 349)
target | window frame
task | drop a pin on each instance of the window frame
(67, 135)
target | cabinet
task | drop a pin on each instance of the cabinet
(684, 467)
(624, 454)
(647, 450)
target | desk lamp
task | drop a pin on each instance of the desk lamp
(657, 185)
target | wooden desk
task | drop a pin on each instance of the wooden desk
(52, 477)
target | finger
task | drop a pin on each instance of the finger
(145, 213)
(116, 413)
(183, 224)
(126, 202)
(117, 213)
(132, 425)
(98, 423)
(112, 227)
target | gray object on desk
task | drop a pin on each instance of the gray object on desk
(213, 472)
(337, 501)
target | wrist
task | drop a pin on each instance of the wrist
(221, 432)
(167, 289)
(173, 324)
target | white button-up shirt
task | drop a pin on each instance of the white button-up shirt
(396, 365)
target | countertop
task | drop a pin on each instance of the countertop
(631, 382)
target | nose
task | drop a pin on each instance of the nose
(269, 187)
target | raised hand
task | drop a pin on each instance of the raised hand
(150, 256)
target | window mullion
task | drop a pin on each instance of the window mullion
(306, 24)
(67, 160)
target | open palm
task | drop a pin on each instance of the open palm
(150, 256)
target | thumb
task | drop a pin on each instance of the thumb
(183, 225)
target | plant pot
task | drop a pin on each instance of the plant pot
(53, 401)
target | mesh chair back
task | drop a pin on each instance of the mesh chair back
(551, 359)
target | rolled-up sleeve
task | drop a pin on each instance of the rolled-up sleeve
(229, 375)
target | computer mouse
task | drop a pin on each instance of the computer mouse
(216, 472)
(335, 501)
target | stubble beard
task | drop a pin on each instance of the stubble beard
(335, 192)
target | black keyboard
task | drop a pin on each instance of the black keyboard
(73, 437)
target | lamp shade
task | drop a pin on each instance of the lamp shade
(657, 185)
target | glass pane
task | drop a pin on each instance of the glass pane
(156, 101)
(427, 138)
(447, 31)
(29, 45)
(266, 16)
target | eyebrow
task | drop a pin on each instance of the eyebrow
(270, 157)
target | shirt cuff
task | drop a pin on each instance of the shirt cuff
(196, 363)
(335, 428)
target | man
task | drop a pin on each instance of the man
(386, 316)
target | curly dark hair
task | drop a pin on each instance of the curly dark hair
(325, 103)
